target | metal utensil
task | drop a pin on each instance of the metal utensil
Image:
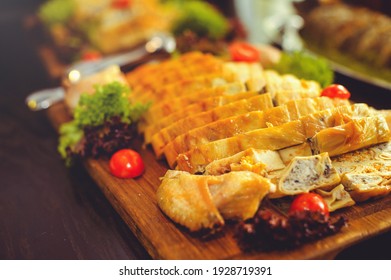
(158, 44)
(43, 99)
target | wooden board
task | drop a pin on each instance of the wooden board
(134, 200)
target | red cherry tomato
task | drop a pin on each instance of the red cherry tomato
(309, 201)
(336, 91)
(91, 55)
(126, 163)
(120, 4)
(241, 51)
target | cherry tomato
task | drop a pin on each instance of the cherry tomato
(309, 201)
(336, 91)
(241, 51)
(120, 4)
(126, 163)
(91, 55)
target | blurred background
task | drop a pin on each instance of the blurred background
(82, 224)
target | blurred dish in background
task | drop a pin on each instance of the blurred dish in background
(79, 28)
(356, 39)
(383, 6)
(201, 26)
(93, 28)
(271, 22)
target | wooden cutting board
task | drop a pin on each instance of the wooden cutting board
(135, 201)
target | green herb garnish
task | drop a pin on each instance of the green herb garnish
(103, 117)
(56, 11)
(202, 19)
(108, 101)
(70, 135)
(305, 66)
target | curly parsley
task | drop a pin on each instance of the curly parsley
(305, 66)
(107, 116)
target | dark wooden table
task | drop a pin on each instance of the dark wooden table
(50, 212)
(46, 210)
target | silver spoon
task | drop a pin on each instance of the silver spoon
(159, 43)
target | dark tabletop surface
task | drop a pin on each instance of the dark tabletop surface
(50, 212)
